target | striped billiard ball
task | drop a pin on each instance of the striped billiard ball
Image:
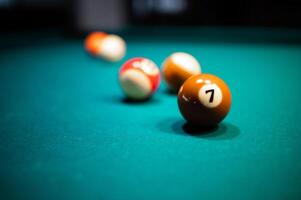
(139, 78)
(177, 68)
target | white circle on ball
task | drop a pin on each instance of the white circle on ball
(147, 66)
(210, 95)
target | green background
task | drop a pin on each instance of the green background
(66, 131)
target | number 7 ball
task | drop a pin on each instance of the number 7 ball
(204, 100)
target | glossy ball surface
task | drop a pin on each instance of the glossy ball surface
(177, 68)
(93, 41)
(204, 100)
(109, 47)
(139, 78)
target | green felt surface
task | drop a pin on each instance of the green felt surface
(67, 133)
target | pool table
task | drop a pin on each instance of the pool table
(67, 132)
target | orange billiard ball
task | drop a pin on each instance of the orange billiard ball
(177, 68)
(204, 100)
(107, 46)
(93, 41)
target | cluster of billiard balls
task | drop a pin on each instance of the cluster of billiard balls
(203, 99)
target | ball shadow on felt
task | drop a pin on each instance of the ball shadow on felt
(222, 131)
(149, 100)
(119, 99)
(170, 92)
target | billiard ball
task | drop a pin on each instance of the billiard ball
(139, 78)
(108, 46)
(204, 100)
(177, 68)
(93, 41)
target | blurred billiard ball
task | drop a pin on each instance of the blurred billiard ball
(177, 68)
(139, 78)
(107, 46)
